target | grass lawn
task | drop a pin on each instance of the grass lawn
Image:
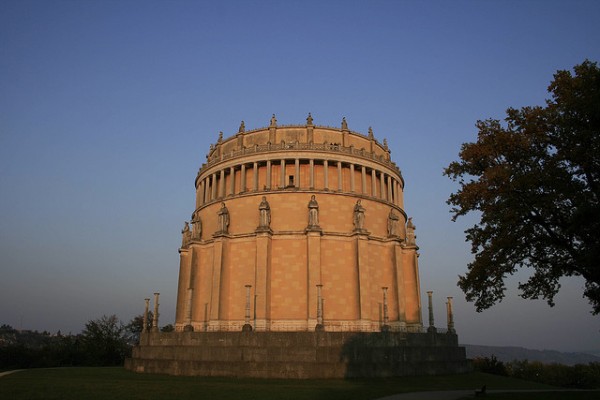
(569, 395)
(117, 383)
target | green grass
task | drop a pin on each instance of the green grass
(117, 383)
(568, 395)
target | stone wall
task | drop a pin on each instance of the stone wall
(298, 355)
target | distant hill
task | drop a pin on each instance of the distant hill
(507, 354)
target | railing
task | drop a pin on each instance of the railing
(269, 147)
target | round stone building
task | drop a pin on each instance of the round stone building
(299, 228)
(299, 261)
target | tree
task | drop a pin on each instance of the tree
(104, 341)
(135, 326)
(535, 182)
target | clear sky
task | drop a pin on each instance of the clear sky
(107, 110)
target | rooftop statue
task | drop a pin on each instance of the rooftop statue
(309, 120)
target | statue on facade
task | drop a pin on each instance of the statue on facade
(264, 214)
(344, 124)
(313, 213)
(309, 120)
(273, 121)
(392, 224)
(410, 233)
(242, 128)
(371, 136)
(359, 216)
(223, 215)
(196, 226)
(186, 235)
(220, 137)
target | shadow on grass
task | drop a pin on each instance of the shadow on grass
(117, 383)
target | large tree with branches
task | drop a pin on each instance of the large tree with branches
(534, 180)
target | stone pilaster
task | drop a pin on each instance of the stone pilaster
(339, 168)
(217, 269)
(262, 282)
(399, 286)
(269, 174)
(313, 242)
(311, 184)
(185, 264)
(364, 279)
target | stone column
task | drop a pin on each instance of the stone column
(340, 185)
(363, 176)
(145, 320)
(214, 186)
(373, 183)
(243, 178)
(297, 174)
(255, 176)
(389, 183)
(232, 181)
(222, 184)
(431, 327)
(269, 174)
(200, 194)
(282, 174)
(326, 174)
(207, 189)
(155, 319)
(382, 188)
(450, 316)
(352, 178)
(311, 184)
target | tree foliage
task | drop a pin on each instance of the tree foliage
(535, 182)
(105, 341)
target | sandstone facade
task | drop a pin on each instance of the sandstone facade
(299, 228)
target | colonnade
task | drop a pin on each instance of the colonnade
(349, 177)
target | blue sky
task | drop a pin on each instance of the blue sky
(107, 109)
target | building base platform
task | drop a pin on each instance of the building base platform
(298, 355)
